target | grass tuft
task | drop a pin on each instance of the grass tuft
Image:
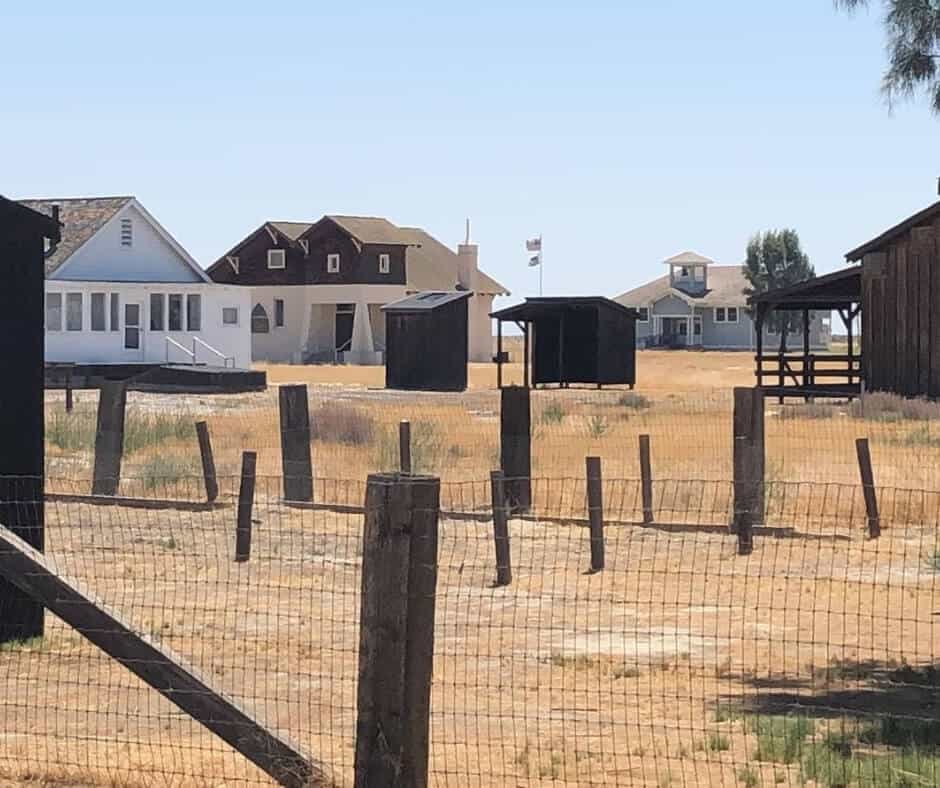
(780, 738)
(634, 401)
(337, 422)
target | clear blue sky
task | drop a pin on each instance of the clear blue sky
(623, 132)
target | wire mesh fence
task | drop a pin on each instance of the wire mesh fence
(814, 659)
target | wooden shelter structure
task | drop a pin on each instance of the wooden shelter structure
(427, 341)
(900, 296)
(24, 236)
(804, 373)
(588, 340)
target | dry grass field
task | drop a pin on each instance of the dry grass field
(810, 662)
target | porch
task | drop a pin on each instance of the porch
(806, 374)
(674, 332)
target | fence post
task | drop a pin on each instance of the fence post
(646, 478)
(595, 503)
(296, 463)
(68, 389)
(515, 446)
(109, 438)
(396, 630)
(246, 502)
(868, 487)
(404, 446)
(501, 528)
(748, 465)
(208, 461)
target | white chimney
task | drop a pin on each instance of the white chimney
(467, 263)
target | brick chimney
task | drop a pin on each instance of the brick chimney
(467, 254)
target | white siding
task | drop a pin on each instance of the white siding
(150, 258)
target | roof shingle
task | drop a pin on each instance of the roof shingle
(726, 285)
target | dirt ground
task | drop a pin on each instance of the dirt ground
(644, 674)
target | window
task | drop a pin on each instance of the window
(127, 232)
(384, 264)
(157, 301)
(73, 311)
(683, 271)
(278, 312)
(259, 320)
(720, 316)
(97, 312)
(644, 314)
(53, 311)
(229, 315)
(115, 311)
(332, 263)
(277, 258)
(175, 312)
(732, 314)
(194, 312)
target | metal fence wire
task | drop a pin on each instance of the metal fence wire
(813, 660)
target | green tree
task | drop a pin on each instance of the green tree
(775, 259)
(913, 31)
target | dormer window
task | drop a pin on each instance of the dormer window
(277, 258)
(684, 271)
(384, 264)
(127, 232)
(332, 263)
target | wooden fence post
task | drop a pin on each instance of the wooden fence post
(868, 487)
(501, 528)
(208, 461)
(396, 630)
(296, 463)
(646, 478)
(515, 446)
(404, 446)
(109, 438)
(595, 504)
(748, 465)
(246, 502)
(68, 389)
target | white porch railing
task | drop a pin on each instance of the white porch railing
(170, 342)
(214, 351)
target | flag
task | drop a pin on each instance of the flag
(534, 244)
(535, 260)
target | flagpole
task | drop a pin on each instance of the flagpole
(541, 261)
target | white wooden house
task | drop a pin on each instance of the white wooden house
(120, 289)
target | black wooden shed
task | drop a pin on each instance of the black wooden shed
(588, 340)
(426, 342)
(24, 234)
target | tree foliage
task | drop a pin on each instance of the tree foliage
(775, 259)
(913, 31)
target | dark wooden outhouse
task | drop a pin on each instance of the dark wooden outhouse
(588, 340)
(426, 342)
(24, 235)
(901, 306)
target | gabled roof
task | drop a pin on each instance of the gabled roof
(81, 218)
(689, 258)
(726, 285)
(430, 265)
(293, 230)
(370, 229)
(921, 217)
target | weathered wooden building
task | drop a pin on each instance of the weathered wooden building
(426, 342)
(589, 340)
(901, 306)
(24, 235)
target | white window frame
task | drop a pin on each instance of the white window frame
(277, 255)
(720, 310)
(640, 310)
(81, 312)
(61, 297)
(237, 315)
(105, 312)
(737, 314)
(332, 263)
(385, 263)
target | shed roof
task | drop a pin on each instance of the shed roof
(17, 212)
(534, 308)
(426, 301)
(874, 245)
(830, 291)
(81, 218)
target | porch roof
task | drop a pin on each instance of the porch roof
(837, 290)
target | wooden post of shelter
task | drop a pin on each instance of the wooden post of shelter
(748, 465)
(208, 461)
(501, 528)
(499, 354)
(404, 446)
(868, 487)
(246, 502)
(646, 479)
(296, 462)
(109, 438)
(515, 446)
(396, 630)
(595, 506)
